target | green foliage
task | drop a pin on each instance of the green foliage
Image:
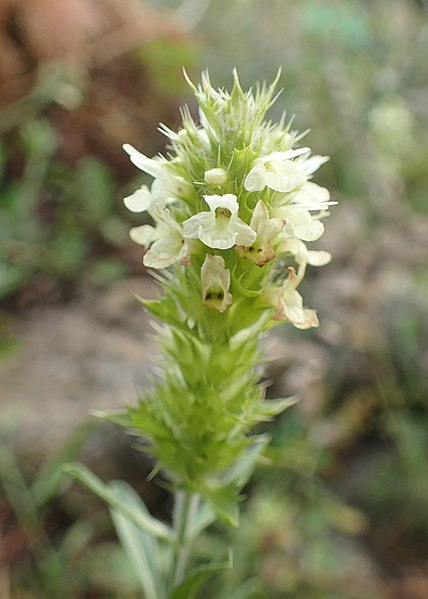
(349, 73)
(53, 215)
(164, 58)
(110, 494)
(50, 568)
(141, 547)
(189, 588)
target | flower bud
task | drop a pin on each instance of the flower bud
(215, 280)
(215, 176)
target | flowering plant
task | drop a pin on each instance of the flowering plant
(232, 205)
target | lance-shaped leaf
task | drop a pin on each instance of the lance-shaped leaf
(96, 485)
(141, 548)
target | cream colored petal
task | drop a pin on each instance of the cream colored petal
(310, 231)
(192, 225)
(284, 176)
(296, 247)
(244, 235)
(227, 201)
(256, 179)
(310, 320)
(301, 224)
(319, 258)
(148, 165)
(311, 193)
(265, 227)
(143, 235)
(282, 156)
(164, 252)
(312, 164)
(217, 236)
(139, 201)
(293, 306)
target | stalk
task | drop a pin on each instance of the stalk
(233, 206)
(185, 507)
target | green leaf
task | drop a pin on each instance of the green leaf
(242, 469)
(203, 518)
(246, 590)
(78, 537)
(191, 585)
(119, 417)
(223, 500)
(51, 474)
(97, 486)
(222, 494)
(272, 407)
(141, 548)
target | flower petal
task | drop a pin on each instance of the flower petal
(301, 224)
(284, 176)
(310, 320)
(282, 156)
(143, 235)
(165, 252)
(139, 201)
(227, 201)
(312, 164)
(216, 235)
(256, 179)
(191, 225)
(318, 258)
(148, 165)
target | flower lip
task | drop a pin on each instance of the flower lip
(220, 228)
(139, 201)
(227, 201)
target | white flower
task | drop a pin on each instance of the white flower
(166, 240)
(215, 279)
(144, 198)
(221, 228)
(288, 303)
(310, 196)
(215, 176)
(276, 171)
(299, 223)
(312, 163)
(166, 185)
(261, 251)
(302, 255)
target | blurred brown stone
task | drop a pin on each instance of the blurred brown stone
(113, 98)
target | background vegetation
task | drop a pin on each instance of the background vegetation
(343, 513)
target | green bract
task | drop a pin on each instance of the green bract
(232, 206)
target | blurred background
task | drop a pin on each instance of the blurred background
(343, 512)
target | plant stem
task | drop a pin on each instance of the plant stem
(185, 507)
